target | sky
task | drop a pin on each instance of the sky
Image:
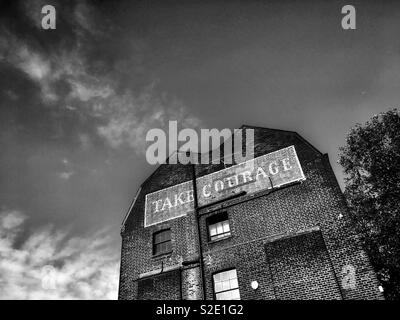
(76, 103)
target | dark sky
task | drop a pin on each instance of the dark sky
(76, 103)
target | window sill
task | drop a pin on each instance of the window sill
(220, 239)
(161, 255)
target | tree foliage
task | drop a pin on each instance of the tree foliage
(371, 162)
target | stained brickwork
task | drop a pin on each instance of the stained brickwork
(293, 240)
(164, 286)
(301, 268)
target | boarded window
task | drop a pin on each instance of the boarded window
(301, 269)
(165, 286)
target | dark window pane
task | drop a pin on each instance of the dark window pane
(218, 226)
(162, 242)
(218, 218)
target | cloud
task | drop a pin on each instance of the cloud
(85, 92)
(11, 219)
(49, 264)
(75, 78)
(132, 116)
(48, 62)
(47, 69)
(32, 63)
(37, 66)
(66, 175)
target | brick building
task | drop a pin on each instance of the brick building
(276, 241)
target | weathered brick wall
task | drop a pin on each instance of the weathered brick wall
(137, 252)
(164, 286)
(301, 268)
(191, 283)
(255, 220)
(315, 203)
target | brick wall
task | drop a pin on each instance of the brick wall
(295, 230)
(301, 268)
(164, 286)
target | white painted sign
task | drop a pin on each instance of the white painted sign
(269, 171)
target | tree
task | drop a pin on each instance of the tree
(371, 162)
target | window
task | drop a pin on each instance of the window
(162, 242)
(218, 226)
(226, 285)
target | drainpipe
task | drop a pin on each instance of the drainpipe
(197, 218)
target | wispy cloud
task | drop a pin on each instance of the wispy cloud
(77, 94)
(132, 116)
(66, 175)
(120, 116)
(49, 264)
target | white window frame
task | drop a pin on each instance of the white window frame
(226, 285)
